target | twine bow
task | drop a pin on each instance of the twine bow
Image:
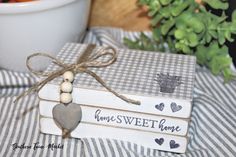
(85, 61)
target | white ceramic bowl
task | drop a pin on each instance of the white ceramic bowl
(39, 26)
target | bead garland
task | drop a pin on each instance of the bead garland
(67, 114)
(66, 87)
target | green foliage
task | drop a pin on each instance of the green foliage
(184, 26)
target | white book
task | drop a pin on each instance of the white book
(162, 82)
(123, 119)
(152, 140)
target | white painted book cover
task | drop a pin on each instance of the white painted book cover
(162, 82)
(152, 140)
(123, 119)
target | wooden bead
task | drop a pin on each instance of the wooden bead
(66, 87)
(65, 98)
(68, 76)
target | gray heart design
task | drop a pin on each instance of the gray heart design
(173, 144)
(175, 107)
(159, 141)
(67, 116)
(160, 106)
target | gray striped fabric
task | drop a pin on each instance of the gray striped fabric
(212, 129)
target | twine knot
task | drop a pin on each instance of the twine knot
(83, 63)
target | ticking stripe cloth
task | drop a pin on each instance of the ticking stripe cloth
(212, 129)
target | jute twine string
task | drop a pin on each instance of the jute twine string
(82, 65)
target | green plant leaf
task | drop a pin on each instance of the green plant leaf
(183, 19)
(156, 19)
(218, 19)
(225, 61)
(217, 4)
(165, 2)
(179, 8)
(234, 16)
(196, 24)
(208, 37)
(180, 34)
(228, 75)
(228, 36)
(216, 68)
(154, 7)
(186, 49)
(156, 34)
(152, 12)
(131, 44)
(167, 26)
(213, 64)
(165, 12)
(213, 34)
(192, 39)
(201, 54)
(221, 36)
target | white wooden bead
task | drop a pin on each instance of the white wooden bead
(66, 87)
(65, 98)
(68, 76)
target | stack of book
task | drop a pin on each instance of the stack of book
(162, 82)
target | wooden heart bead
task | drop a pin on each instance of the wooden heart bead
(66, 87)
(67, 117)
(65, 98)
(68, 76)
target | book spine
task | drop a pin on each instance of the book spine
(151, 105)
(148, 139)
(124, 119)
